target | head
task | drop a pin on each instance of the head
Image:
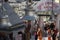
(39, 29)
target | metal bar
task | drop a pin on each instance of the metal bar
(45, 15)
(53, 17)
(26, 10)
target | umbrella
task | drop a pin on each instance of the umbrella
(28, 17)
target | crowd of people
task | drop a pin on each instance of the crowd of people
(50, 29)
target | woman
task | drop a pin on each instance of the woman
(39, 33)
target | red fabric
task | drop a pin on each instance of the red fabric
(56, 31)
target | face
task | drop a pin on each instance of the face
(39, 29)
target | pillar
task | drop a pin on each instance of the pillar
(59, 27)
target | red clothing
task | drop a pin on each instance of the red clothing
(56, 31)
(40, 35)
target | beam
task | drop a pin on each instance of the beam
(12, 16)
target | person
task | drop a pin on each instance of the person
(52, 26)
(46, 27)
(23, 36)
(11, 36)
(49, 34)
(39, 32)
(36, 36)
(53, 35)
